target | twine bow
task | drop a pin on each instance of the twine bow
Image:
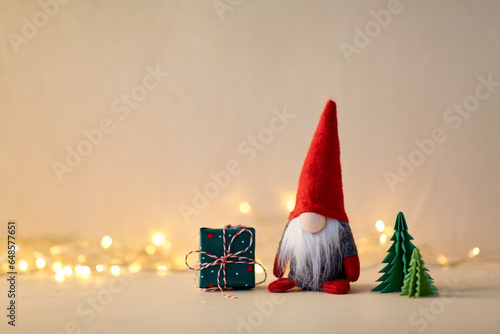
(223, 260)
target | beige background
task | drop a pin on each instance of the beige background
(228, 73)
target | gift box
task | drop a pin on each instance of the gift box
(232, 247)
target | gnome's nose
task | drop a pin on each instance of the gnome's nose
(312, 222)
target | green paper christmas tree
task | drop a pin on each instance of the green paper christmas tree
(418, 282)
(397, 259)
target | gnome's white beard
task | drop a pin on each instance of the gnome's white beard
(313, 256)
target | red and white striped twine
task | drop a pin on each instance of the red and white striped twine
(223, 260)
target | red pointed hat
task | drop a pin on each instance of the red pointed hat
(320, 183)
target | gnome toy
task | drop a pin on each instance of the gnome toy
(317, 242)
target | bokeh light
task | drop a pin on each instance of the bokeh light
(106, 241)
(158, 239)
(40, 263)
(57, 266)
(23, 265)
(67, 270)
(474, 252)
(116, 270)
(380, 226)
(150, 249)
(59, 276)
(443, 260)
(244, 207)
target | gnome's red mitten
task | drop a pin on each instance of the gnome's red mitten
(351, 267)
(278, 271)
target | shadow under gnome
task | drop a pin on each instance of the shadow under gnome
(317, 242)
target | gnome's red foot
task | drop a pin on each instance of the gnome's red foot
(338, 287)
(282, 284)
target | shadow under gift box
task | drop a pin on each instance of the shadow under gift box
(238, 275)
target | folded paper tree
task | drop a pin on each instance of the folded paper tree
(418, 282)
(397, 259)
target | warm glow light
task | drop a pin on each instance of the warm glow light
(244, 207)
(57, 266)
(23, 265)
(67, 270)
(150, 249)
(55, 250)
(85, 271)
(443, 260)
(383, 238)
(258, 269)
(106, 241)
(162, 268)
(179, 262)
(115, 270)
(59, 276)
(290, 204)
(380, 226)
(82, 258)
(40, 263)
(134, 267)
(167, 244)
(158, 239)
(99, 267)
(474, 252)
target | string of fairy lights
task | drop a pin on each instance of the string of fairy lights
(85, 258)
